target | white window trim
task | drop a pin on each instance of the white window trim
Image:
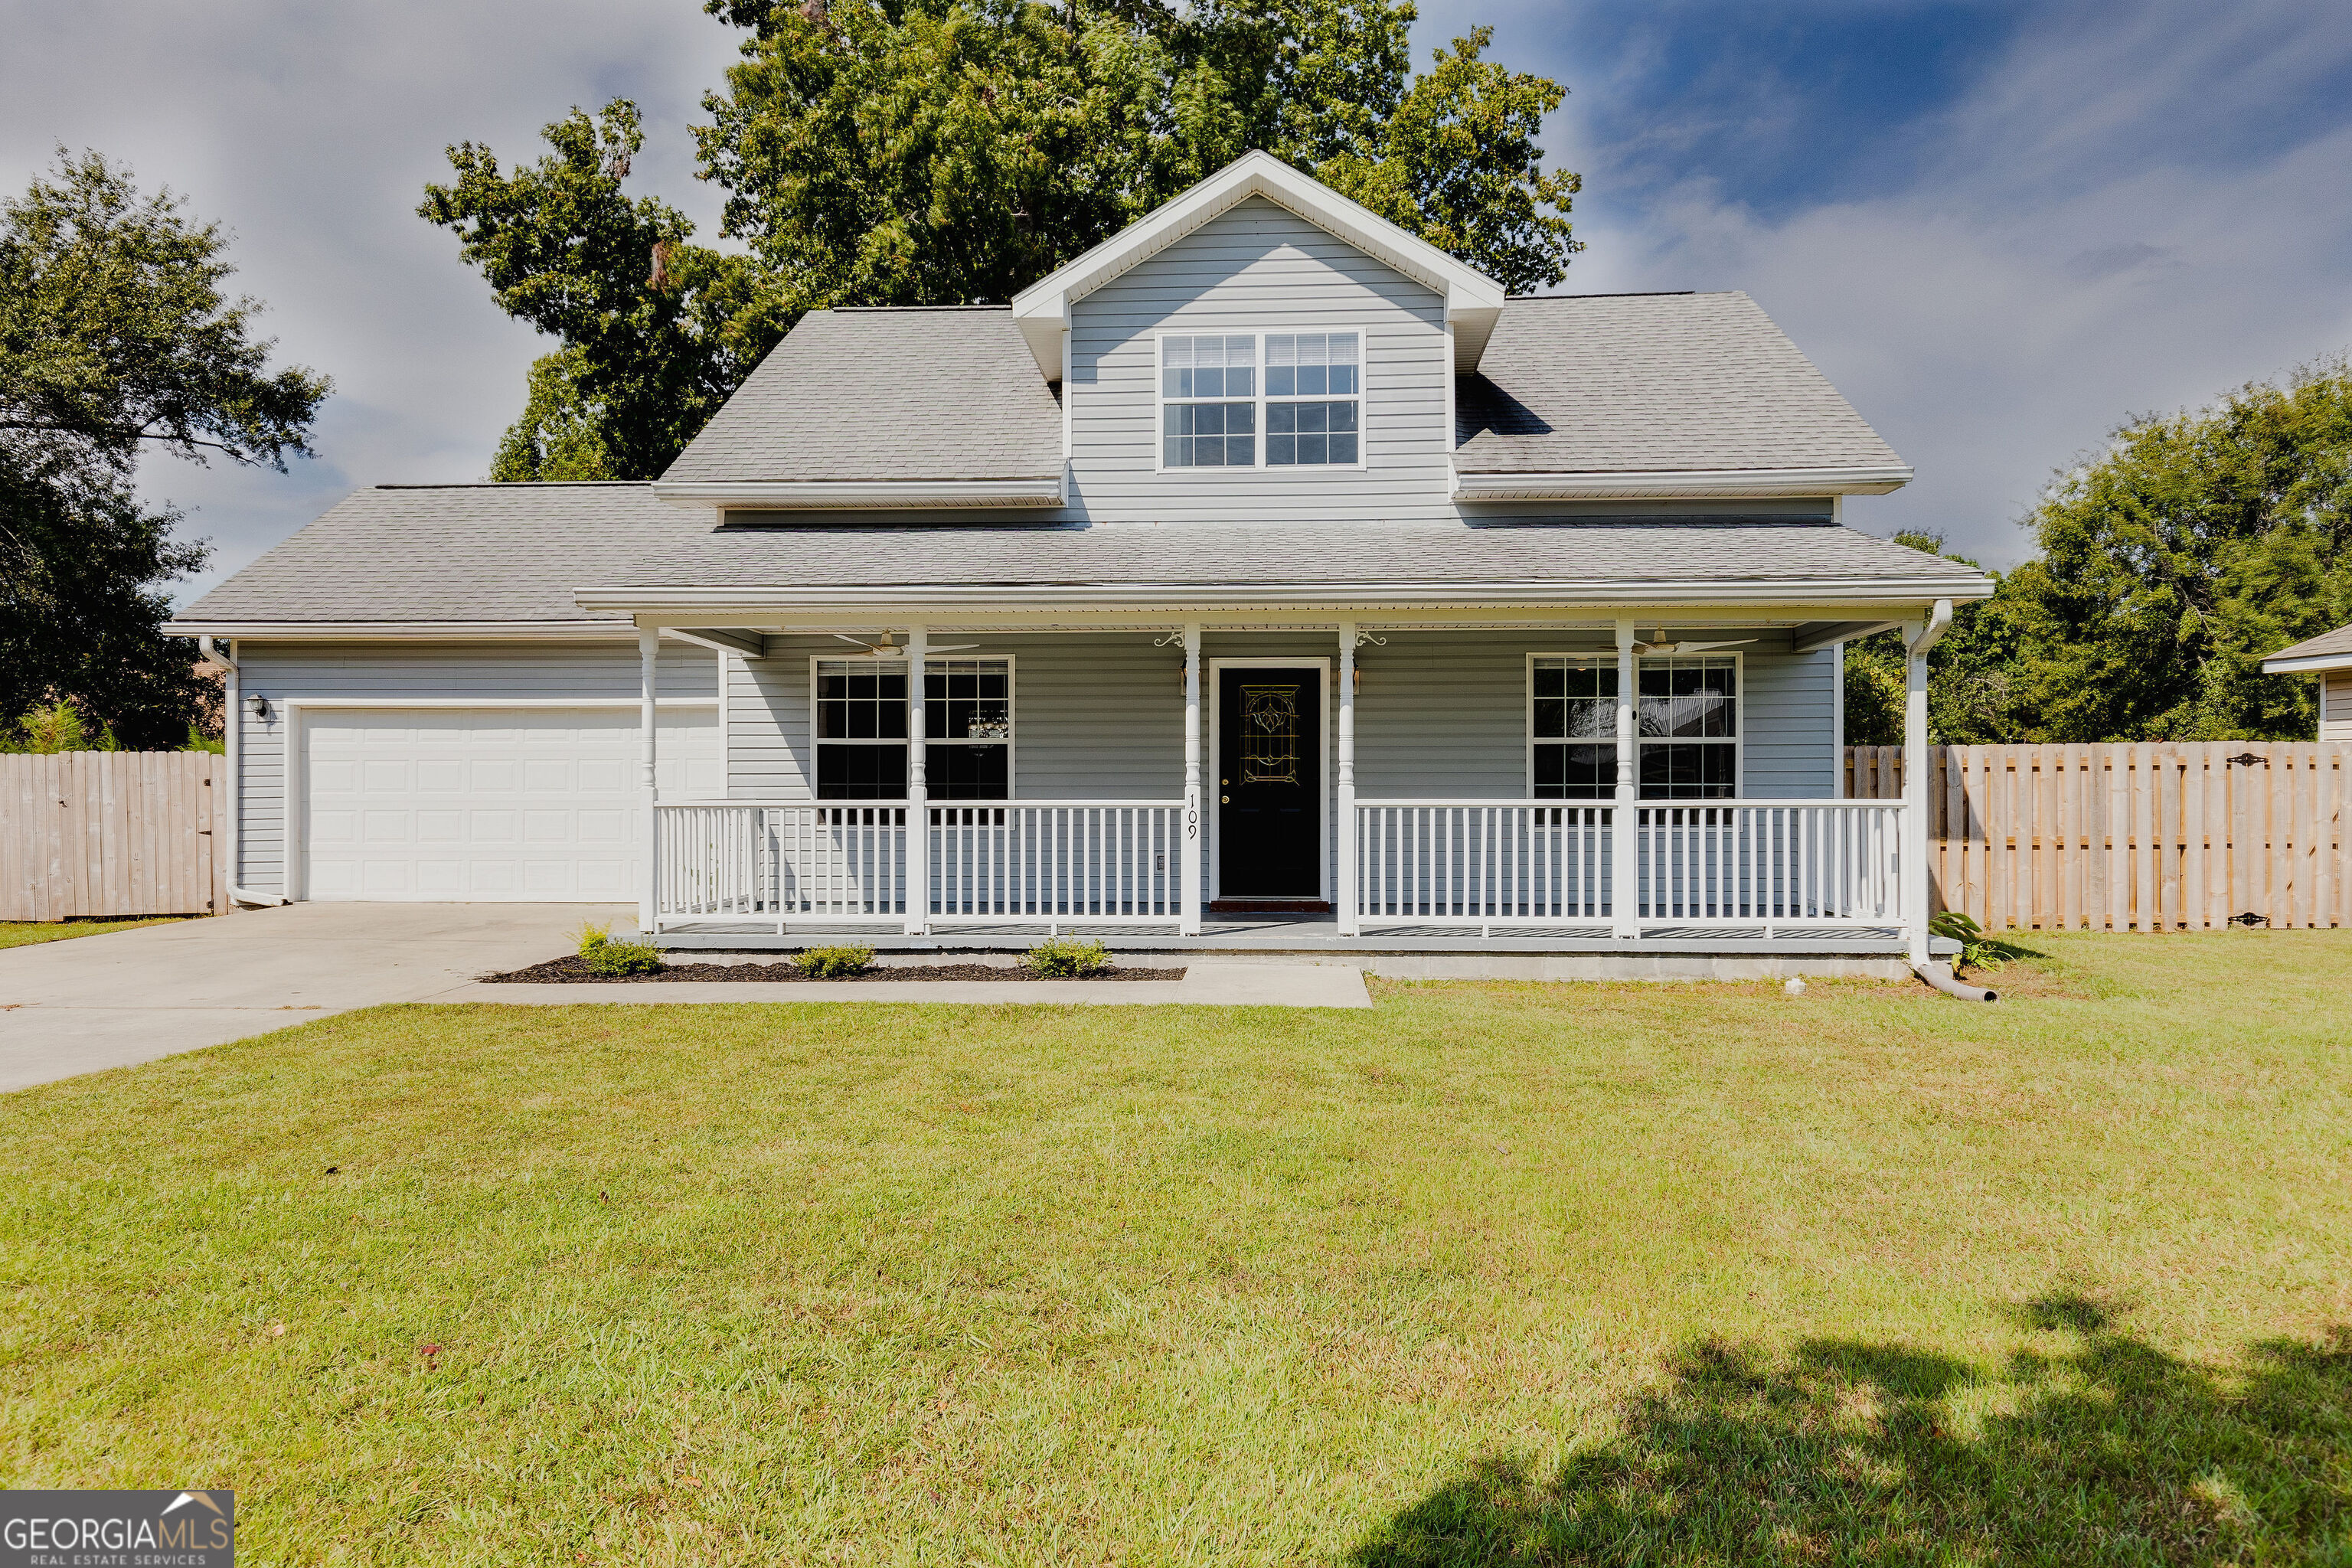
(1257, 337)
(1739, 719)
(1011, 744)
(1211, 847)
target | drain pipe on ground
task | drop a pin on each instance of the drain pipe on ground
(1940, 976)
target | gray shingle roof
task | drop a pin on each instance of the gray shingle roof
(2337, 642)
(885, 394)
(520, 552)
(1627, 382)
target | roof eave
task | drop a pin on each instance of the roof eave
(1473, 301)
(219, 626)
(834, 495)
(1812, 593)
(2308, 664)
(1687, 484)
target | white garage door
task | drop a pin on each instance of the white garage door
(487, 804)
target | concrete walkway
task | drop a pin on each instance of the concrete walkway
(88, 1002)
(91, 1003)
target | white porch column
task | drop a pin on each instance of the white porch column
(1346, 827)
(1189, 913)
(919, 792)
(649, 792)
(1625, 883)
(1918, 636)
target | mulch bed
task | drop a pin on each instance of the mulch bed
(572, 970)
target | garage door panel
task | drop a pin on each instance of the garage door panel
(457, 803)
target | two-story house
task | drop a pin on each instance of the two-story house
(1264, 576)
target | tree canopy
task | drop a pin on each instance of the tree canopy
(2171, 564)
(945, 152)
(116, 337)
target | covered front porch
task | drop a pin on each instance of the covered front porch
(1629, 822)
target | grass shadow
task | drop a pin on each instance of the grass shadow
(2108, 1450)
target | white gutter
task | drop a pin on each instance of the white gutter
(1026, 596)
(395, 631)
(1682, 484)
(1940, 621)
(816, 495)
(232, 722)
(2308, 664)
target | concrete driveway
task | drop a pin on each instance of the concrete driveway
(93, 1002)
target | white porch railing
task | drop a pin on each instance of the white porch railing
(1778, 863)
(1481, 862)
(837, 861)
(1102, 862)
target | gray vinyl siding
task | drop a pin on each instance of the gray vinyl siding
(1096, 715)
(297, 672)
(2335, 706)
(1259, 269)
(1444, 714)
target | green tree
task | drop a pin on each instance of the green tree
(2174, 560)
(1967, 682)
(643, 315)
(944, 151)
(116, 338)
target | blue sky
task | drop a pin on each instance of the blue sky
(2000, 229)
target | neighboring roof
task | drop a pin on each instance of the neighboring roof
(879, 395)
(1604, 383)
(2328, 650)
(1472, 298)
(514, 554)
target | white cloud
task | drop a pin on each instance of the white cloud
(310, 131)
(2131, 210)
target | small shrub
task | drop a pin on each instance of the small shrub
(605, 956)
(833, 963)
(1067, 958)
(1978, 951)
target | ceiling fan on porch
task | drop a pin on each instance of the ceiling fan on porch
(1682, 647)
(884, 647)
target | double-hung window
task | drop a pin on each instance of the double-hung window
(1686, 727)
(1208, 389)
(1312, 398)
(861, 729)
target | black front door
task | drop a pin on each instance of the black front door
(1269, 784)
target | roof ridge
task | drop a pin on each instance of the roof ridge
(900, 309)
(515, 485)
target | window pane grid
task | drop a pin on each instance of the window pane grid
(1686, 727)
(861, 715)
(1319, 374)
(1198, 430)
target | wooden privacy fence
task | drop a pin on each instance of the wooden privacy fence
(113, 834)
(2132, 837)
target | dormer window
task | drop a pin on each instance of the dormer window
(1221, 391)
(1310, 397)
(1208, 387)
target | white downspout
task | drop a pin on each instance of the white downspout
(1918, 637)
(228, 811)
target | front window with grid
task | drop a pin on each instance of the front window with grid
(1208, 387)
(1686, 727)
(1311, 397)
(861, 729)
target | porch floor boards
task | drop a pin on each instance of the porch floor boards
(1289, 933)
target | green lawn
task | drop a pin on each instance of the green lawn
(23, 934)
(1491, 1273)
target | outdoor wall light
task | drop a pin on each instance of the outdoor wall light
(257, 705)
